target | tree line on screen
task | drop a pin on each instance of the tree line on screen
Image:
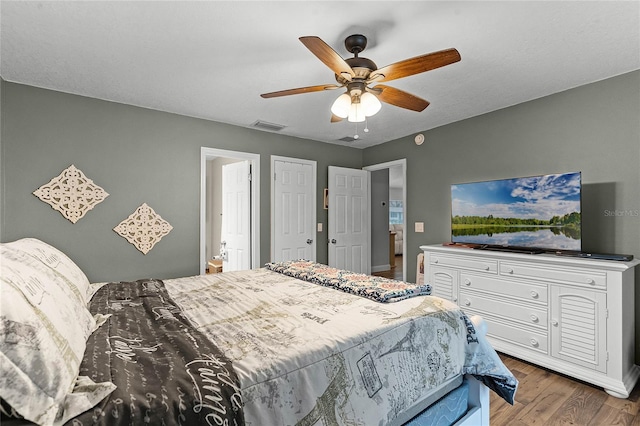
(571, 220)
(572, 232)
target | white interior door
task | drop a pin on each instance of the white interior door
(294, 207)
(235, 244)
(349, 219)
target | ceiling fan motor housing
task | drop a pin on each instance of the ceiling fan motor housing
(362, 68)
(358, 62)
(355, 43)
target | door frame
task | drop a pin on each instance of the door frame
(314, 197)
(401, 162)
(254, 159)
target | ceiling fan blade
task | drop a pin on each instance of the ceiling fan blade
(399, 98)
(328, 56)
(309, 89)
(335, 118)
(416, 65)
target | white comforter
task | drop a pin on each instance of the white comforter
(306, 353)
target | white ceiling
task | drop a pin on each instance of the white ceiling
(212, 59)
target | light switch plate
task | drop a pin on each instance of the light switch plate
(320, 227)
(419, 226)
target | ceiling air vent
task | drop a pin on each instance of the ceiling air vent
(265, 125)
(347, 139)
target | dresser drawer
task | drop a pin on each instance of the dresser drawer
(490, 266)
(534, 340)
(533, 315)
(524, 291)
(584, 277)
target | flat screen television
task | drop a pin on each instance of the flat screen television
(535, 213)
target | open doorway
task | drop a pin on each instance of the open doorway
(212, 162)
(390, 236)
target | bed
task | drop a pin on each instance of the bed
(292, 343)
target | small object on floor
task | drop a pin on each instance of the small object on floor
(214, 266)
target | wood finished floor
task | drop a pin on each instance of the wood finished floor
(395, 273)
(547, 398)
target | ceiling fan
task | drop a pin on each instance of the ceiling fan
(357, 73)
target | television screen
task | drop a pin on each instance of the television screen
(542, 212)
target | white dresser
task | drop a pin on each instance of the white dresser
(568, 314)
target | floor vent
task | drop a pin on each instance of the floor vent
(265, 125)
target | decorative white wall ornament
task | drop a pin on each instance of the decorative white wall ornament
(71, 193)
(143, 228)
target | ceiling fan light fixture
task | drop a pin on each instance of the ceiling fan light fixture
(356, 113)
(342, 105)
(370, 104)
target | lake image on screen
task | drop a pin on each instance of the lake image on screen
(541, 211)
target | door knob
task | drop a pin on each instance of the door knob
(309, 241)
(333, 241)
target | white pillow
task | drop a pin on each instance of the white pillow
(56, 260)
(44, 326)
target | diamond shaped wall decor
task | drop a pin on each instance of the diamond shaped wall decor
(71, 193)
(143, 228)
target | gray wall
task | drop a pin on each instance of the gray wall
(137, 155)
(594, 129)
(140, 155)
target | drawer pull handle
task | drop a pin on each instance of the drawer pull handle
(455, 299)
(509, 271)
(467, 302)
(534, 318)
(554, 323)
(467, 281)
(534, 343)
(487, 267)
(534, 294)
(591, 281)
(435, 261)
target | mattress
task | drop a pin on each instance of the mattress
(446, 410)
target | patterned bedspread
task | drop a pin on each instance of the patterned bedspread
(306, 353)
(165, 371)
